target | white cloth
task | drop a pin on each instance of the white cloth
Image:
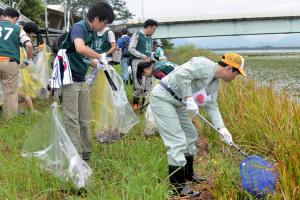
(55, 81)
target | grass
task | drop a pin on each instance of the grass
(261, 121)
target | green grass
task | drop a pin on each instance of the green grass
(261, 122)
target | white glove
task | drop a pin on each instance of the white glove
(101, 66)
(226, 136)
(103, 59)
(191, 106)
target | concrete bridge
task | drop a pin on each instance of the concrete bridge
(227, 25)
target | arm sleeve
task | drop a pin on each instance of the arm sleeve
(120, 43)
(159, 74)
(189, 71)
(23, 37)
(212, 109)
(132, 47)
(111, 37)
(77, 32)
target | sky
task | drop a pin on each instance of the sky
(159, 9)
(186, 8)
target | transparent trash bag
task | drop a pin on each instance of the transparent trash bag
(151, 128)
(112, 115)
(51, 145)
(41, 69)
(29, 85)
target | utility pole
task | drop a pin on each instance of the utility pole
(46, 22)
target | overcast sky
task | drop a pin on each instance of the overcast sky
(186, 8)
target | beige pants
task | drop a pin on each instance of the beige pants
(9, 80)
(76, 110)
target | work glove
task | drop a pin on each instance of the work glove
(101, 66)
(191, 106)
(27, 62)
(226, 136)
(103, 59)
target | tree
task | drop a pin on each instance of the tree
(80, 6)
(167, 44)
(33, 9)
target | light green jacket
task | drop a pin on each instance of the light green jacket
(196, 74)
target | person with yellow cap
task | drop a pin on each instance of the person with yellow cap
(193, 84)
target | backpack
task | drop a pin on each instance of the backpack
(125, 52)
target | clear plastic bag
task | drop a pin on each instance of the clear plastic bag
(41, 69)
(151, 128)
(112, 114)
(51, 145)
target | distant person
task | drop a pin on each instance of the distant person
(158, 51)
(10, 39)
(140, 48)
(105, 42)
(123, 43)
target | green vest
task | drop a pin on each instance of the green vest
(9, 40)
(165, 66)
(101, 44)
(78, 63)
(144, 44)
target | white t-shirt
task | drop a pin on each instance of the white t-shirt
(111, 35)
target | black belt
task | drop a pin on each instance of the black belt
(169, 90)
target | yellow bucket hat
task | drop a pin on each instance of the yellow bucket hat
(235, 60)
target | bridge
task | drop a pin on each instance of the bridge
(227, 25)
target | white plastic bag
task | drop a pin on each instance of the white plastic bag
(51, 145)
(117, 55)
(151, 128)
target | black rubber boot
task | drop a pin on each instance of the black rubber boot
(177, 179)
(189, 171)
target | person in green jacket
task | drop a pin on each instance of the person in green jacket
(193, 84)
(75, 96)
(10, 38)
(105, 42)
(140, 49)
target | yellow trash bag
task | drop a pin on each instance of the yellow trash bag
(112, 115)
(28, 86)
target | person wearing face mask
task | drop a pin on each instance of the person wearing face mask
(140, 48)
(193, 84)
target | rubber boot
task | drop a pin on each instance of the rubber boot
(136, 103)
(177, 179)
(189, 171)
